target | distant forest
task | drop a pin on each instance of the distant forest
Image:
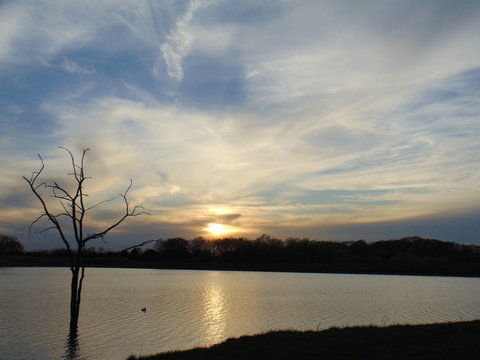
(409, 255)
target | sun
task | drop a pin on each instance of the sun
(217, 229)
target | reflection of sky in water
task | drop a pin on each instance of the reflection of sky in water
(214, 314)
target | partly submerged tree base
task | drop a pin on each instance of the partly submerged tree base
(420, 342)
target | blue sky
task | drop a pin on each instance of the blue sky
(329, 119)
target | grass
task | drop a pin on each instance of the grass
(459, 340)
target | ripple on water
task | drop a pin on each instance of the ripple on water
(199, 308)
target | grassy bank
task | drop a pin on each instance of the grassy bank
(420, 342)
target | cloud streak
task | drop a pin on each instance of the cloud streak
(180, 41)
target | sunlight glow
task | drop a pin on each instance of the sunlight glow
(219, 211)
(217, 229)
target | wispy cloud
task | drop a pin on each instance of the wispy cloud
(72, 67)
(180, 40)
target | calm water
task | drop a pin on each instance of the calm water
(199, 308)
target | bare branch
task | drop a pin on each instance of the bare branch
(73, 203)
(36, 174)
(72, 159)
(98, 204)
(78, 170)
(127, 214)
(46, 229)
(60, 197)
(138, 245)
(40, 185)
(34, 187)
(64, 208)
(33, 223)
(133, 213)
(82, 167)
(56, 187)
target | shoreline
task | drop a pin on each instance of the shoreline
(459, 270)
(453, 340)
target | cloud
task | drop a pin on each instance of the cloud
(335, 58)
(10, 20)
(72, 67)
(288, 113)
(457, 226)
(228, 218)
(31, 30)
(214, 160)
(180, 41)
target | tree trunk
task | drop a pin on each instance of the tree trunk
(78, 274)
(74, 299)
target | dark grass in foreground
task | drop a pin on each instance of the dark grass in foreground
(459, 340)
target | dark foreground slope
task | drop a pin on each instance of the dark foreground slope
(437, 341)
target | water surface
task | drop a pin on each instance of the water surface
(200, 308)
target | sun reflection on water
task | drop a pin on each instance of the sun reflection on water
(214, 314)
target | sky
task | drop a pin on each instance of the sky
(333, 120)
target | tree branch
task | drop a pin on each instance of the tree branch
(98, 204)
(73, 203)
(138, 245)
(127, 214)
(52, 218)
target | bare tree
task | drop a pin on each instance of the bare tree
(70, 221)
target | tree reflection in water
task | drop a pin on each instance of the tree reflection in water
(71, 347)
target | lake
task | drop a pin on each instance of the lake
(199, 308)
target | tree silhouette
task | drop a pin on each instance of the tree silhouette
(9, 245)
(70, 221)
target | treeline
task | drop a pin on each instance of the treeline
(409, 255)
(266, 249)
